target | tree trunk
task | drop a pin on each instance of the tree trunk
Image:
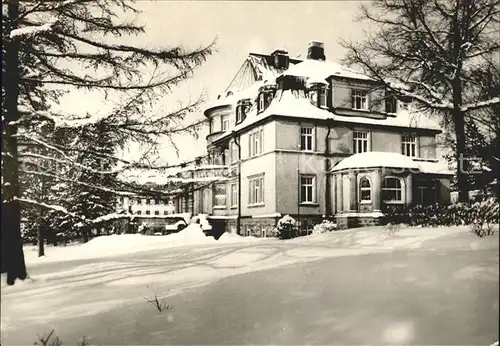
(41, 249)
(462, 161)
(459, 115)
(85, 236)
(12, 257)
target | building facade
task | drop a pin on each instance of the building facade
(312, 139)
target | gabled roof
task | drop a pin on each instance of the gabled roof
(256, 67)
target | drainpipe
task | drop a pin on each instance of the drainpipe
(238, 218)
(328, 196)
(192, 194)
(299, 225)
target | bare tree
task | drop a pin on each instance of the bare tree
(53, 47)
(431, 52)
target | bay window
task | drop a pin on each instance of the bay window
(365, 190)
(220, 195)
(392, 190)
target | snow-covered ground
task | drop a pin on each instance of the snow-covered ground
(58, 290)
(113, 245)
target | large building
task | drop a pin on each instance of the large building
(313, 139)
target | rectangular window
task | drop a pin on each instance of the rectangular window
(390, 103)
(234, 152)
(138, 212)
(256, 142)
(234, 195)
(157, 212)
(307, 138)
(307, 189)
(256, 193)
(165, 212)
(220, 195)
(225, 122)
(359, 100)
(409, 145)
(360, 142)
(148, 212)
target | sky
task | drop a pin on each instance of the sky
(240, 27)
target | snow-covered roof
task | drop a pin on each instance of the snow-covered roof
(373, 159)
(439, 167)
(170, 176)
(322, 69)
(381, 159)
(315, 80)
(288, 103)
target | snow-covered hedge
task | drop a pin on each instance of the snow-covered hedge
(325, 226)
(287, 227)
(481, 216)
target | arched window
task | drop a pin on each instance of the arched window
(365, 190)
(392, 189)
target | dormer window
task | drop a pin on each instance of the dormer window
(403, 105)
(313, 96)
(269, 98)
(239, 114)
(322, 97)
(317, 92)
(261, 102)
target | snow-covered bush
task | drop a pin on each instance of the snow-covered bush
(325, 226)
(485, 216)
(287, 227)
(481, 216)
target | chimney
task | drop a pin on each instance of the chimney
(316, 50)
(280, 59)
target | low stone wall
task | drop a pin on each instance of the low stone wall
(352, 221)
(259, 227)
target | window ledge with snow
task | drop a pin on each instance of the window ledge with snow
(255, 205)
(365, 202)
(393, 202)
(220, 207)
(309, 204)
